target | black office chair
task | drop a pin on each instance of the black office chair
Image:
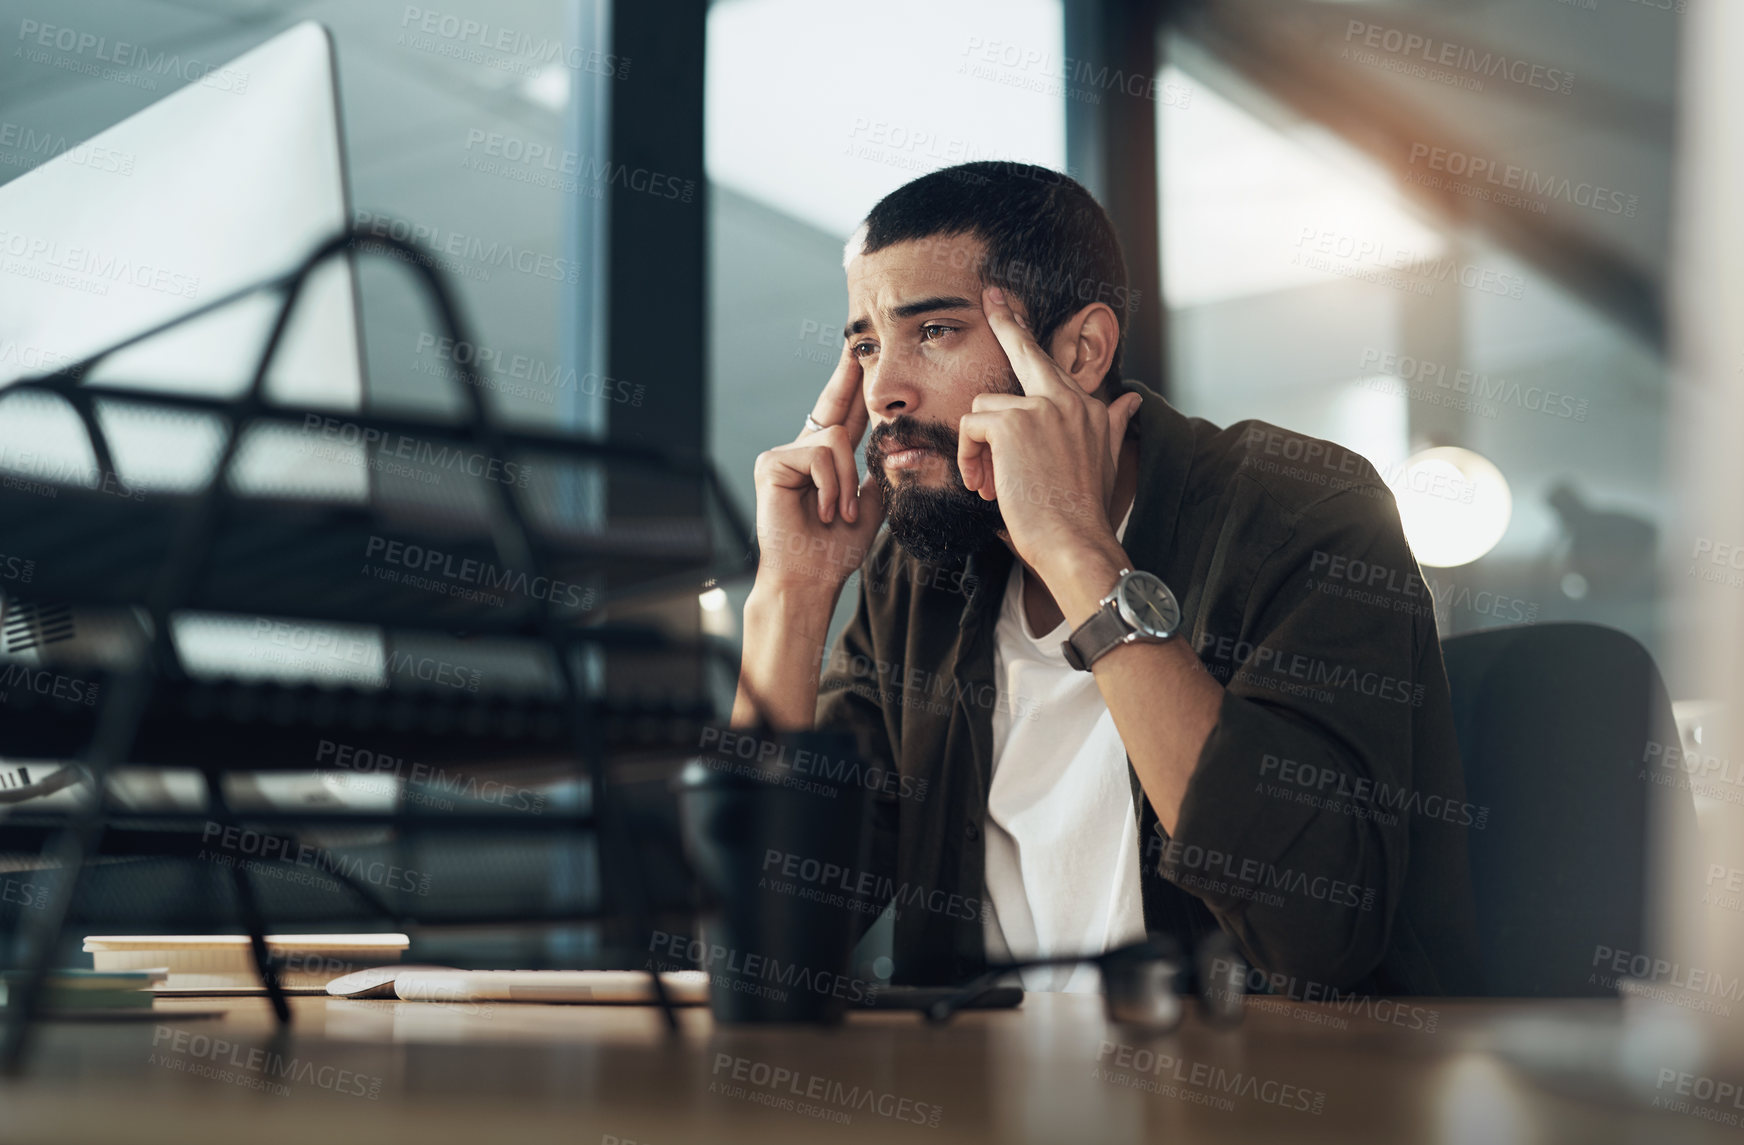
(1553, 723)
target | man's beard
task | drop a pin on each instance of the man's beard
(938, 526)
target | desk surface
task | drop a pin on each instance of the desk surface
(1428, 1071)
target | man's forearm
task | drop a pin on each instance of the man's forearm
(783, 651)
(1163, 701)
(1164, 705)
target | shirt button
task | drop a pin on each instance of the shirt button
(972, 832)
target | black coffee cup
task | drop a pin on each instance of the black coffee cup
(775, 826)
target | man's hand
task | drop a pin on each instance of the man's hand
(815, 522)
(815, 516)
(1049, 456)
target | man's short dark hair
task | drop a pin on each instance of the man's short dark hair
(1048, 242)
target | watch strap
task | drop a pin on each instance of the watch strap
(1095, 637)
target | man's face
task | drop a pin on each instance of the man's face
(916, 326)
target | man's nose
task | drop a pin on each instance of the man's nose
(889, 390)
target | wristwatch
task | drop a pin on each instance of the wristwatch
(1140, 607)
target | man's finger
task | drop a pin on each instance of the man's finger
(834, 440)
(823, 475)
(841, 449)
(1039, 373)
(975, 452)
(986, 403)
(841, 402)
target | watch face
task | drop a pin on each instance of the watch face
(1146, 603)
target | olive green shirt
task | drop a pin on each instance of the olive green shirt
(1324, 824)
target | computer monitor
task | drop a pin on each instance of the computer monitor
(231, 180)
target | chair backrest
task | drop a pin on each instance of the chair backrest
(1554, 723)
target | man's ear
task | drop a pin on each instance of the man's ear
(1084, 345)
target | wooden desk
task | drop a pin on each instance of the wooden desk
(1053, 1071)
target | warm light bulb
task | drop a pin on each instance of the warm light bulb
(1454, 504)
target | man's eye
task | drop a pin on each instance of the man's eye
(933, 331)
(861, 349)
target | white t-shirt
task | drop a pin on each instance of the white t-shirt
(1062, 835)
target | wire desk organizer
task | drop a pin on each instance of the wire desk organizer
(217, 551)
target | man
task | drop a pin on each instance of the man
(1262, 741)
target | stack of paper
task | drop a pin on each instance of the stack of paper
(80, 991)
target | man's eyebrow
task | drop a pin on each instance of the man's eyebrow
(913, 309)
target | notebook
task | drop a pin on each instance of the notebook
(224, 963)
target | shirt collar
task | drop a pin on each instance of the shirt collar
(1165, 457)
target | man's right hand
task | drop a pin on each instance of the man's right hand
(816, 517)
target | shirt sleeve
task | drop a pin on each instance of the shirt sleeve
(851, 697)
(851, 690)
(1282, 832)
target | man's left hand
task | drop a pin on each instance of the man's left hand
(1049, 456)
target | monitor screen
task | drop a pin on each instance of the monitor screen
(229, 181)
